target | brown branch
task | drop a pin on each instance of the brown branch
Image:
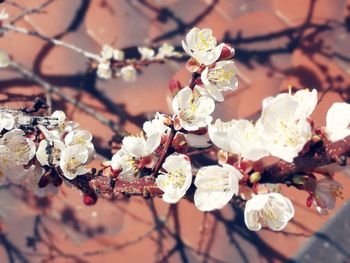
(320, 154)
(26, 73)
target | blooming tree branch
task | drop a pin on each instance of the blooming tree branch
(42, 152)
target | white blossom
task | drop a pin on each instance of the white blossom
(139, 146)
(221, 77)
(128, 73)
(104, 70)
(4, 59)
(146, 53)
(284, 126)
(176, 179)
(107, 52)
(338, 121)
(202, 46)
(80, 137)
(22, 148)
(118, 54)
(157, 125)
(216, 186)
(239, 137)
(72, 161)
(166, 50)
(271, 209)
(127, 164)
(192, 109)
(7, 121)
(50, 149)
(63, 126)
(326, 192)
(10, 170)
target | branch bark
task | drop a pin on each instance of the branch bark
(320, 154)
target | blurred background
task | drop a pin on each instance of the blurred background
(278, 43)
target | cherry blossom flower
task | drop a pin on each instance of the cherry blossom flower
(62, 125)
(22, 148)
(118, 55)
(338, 121)
(107, 52)
(139, 146)
(80, 137)
(157, 125)
(146, 53)
(216, 186)
(192, 110)
(72, 161)
(166, 51)
(221, 77)
(7, 121)
(128, 73)
(104, 70)
(326, 192)
(176, 179)
(271, 209)
(284, 126)
(10, 170)
(202, 46)
(238, 137)
(127, 165)
(50, 150)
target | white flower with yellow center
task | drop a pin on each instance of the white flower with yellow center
(271, 209)
(283, 126)
(192, 109)
(216, 186)
(239, 137)
(72, 161)
(7, 121)
(62, 126)
(221, 77)
(338, 121)
(118, 54)
(326, 193)
(166, 50)
(128, 73)
(156, 125)
(139, 146)
(146, 53)
(202, 46)
(126, 164)
(49, 152)
(176, 179)
(22, 148)
(107, 52)
(104, 70)
(80, 137)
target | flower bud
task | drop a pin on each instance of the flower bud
(174, 86)
(89, 199)
(227, 52)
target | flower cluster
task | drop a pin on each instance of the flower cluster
(40, 158)
(43, 156)
(112, 61)
(284, 130)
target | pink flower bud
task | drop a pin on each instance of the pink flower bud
(227, 52)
